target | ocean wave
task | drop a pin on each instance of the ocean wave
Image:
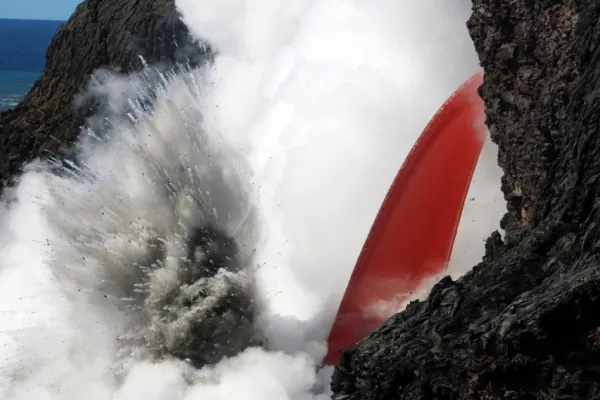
(10, 100)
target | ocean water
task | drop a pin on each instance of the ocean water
(23, 45)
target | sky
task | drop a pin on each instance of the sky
(59, 10)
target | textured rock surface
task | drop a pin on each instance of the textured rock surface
(101, 33)
(525, 323)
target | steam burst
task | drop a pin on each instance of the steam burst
(153, 228)
(158, 220)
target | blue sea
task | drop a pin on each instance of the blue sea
(23, 46)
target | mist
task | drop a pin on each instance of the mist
(274, 160)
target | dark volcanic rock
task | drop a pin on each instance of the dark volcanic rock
(525, 323)
(101, 33)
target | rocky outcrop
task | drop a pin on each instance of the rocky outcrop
(524, 323)
(101, 33)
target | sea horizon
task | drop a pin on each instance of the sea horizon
(30, 19)
(23, 58)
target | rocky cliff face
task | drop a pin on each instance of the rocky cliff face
(112, 34)
(525, 323)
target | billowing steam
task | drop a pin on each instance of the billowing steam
(198, 245)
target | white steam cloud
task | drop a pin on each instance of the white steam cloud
(287, 145)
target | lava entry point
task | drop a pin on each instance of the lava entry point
(413, 234)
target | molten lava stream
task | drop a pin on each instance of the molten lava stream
(412, 236)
